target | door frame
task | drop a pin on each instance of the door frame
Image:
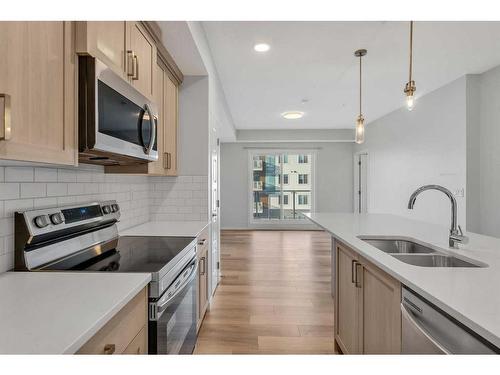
(280, 223)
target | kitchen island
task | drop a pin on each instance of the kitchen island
(470, 295)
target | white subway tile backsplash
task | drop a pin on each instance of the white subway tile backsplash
(45, 175)
(141, 198)
(57, 189)
(18, 174)
(33, 190)
(66, 175)
(9, 190)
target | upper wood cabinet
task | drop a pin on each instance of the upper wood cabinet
(142, 55)
(105, 40)
(368, 317)
(126, 47)
(170, 114)
(37, 92)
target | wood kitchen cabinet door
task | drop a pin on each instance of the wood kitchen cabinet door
(37, 82)
(104, 40)
(347, 303)
(380, 310)
(170, 115)
(143, 50)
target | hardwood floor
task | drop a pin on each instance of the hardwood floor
(274, 297)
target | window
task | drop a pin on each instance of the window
(303, 159)
(281, 186)
(257, 164)
(285, 199)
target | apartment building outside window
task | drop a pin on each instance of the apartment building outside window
(303, 179)
(282, 186)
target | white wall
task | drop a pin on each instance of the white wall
(333, 184)
(425, 146)
(484, 152)
(193, 127)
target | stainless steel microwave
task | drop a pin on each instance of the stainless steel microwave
(117, 125)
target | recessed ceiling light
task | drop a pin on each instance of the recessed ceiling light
(292, 115)
(262, 47)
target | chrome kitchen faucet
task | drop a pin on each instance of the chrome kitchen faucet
(456, 234)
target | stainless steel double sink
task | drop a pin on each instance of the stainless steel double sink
(410, 252)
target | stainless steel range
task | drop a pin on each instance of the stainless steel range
(85, 238)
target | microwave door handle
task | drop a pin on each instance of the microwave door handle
(161, 308)
(152, 137)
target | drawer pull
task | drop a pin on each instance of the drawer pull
(109, 348)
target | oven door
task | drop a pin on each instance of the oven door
(172, 325)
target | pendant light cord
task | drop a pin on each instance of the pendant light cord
(360, 85)
(411, 49)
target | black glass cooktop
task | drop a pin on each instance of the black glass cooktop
(126, 254)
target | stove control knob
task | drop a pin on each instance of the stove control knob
(106, 209)
(57, 218)
(42, 221)
(115, 208)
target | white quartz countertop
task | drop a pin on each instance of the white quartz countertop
(468, 294)
(167, 229)
(58, 312)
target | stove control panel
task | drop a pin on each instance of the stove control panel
(47, 220)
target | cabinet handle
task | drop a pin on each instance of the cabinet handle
(168, 159)
(165, 161)
(203, 269)
(109, 348)
(353, 266)
(136, 68)
(5, 120)
(357, 283)
(130, 63)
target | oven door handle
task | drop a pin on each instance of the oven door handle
(161, 308)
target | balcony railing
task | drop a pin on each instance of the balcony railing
(290, 211)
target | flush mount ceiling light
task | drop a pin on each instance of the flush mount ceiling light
(262, 47)
(410, 87)
(292, 115)
(360, 121)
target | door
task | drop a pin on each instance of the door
(105, 40)
(37, 86)
(174, 330)
(347, 302)
(380, 309)
(143, 59)
(215, 224)
(361, 183)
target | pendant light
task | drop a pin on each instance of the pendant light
(410, 87)
(360, 121)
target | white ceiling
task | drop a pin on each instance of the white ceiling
(314, 60)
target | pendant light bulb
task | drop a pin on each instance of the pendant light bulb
(360, 130)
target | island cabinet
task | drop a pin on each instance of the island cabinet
(202, 251)
(124, 46)
(367, 306)
(37, 92)
(125, 333)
